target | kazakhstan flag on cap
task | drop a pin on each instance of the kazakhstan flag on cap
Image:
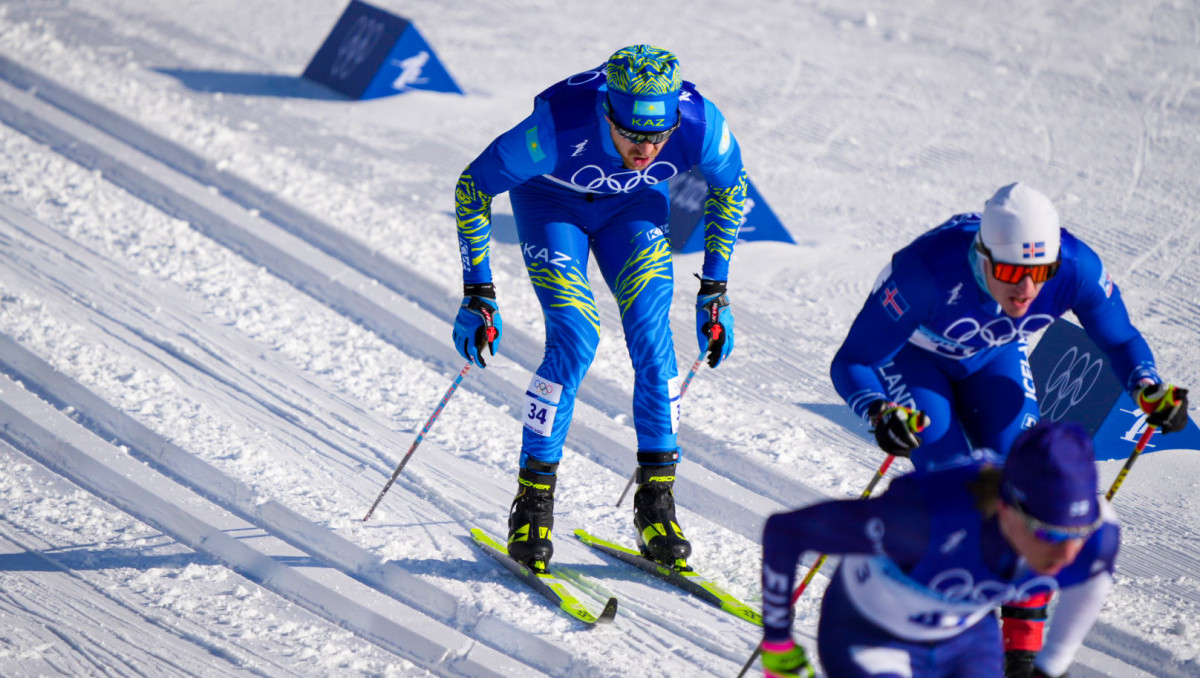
(645, 107)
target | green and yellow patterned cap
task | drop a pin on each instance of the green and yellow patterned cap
(643, 88)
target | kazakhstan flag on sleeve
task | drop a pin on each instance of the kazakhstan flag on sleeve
(531, 143)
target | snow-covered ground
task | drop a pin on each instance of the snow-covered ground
(226, 297)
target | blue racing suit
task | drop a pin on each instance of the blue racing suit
(922, 572)
(931, 337)
(571, 194)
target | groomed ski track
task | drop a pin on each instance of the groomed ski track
(361, 451)
(331, 566)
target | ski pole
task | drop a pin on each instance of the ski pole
(421, 436)
(821, 561)
(1141, 445)
(812, 571)
(692, 373)
(682, 390)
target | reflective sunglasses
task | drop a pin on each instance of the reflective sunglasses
(1056, 534)
(647, 137)
(1013, 273)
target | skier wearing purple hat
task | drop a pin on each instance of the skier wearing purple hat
(587, 174)
(926, 564)
(938, 358)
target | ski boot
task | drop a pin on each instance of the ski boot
(531, 517)
(1019, 663)
(1022, 623)
(658, 534)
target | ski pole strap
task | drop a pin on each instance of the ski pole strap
(486, 290)
(714, 316)
(489, 322)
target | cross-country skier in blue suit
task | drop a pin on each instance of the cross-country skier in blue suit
(588, 170)
(937, 359)
(926, 564)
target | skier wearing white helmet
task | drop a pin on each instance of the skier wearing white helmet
(1019, 228)
(938, 358)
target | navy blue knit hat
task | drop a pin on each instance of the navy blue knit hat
(1050, 475)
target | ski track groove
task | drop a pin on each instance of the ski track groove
(279, 576)
(208, 649)
(412, 339)
(821, 133)
(197, 370)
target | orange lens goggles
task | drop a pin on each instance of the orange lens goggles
(1014, 273)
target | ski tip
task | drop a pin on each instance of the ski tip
(609, 613)
(481, 537)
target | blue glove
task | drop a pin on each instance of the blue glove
(478, 323)
(714, 321)
(785, 660)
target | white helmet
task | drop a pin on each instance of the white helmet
(1020, 226)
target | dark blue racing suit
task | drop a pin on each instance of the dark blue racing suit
(931, 337)
(922, 572)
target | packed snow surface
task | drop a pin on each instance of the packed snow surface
(226, 296)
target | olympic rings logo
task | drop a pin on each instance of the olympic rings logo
(585, 77)
(958, 585)
(996, 332)
(542, 387)
(593, 177)
(358, 43)
(1069, 383)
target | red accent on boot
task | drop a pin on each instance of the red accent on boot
(1036, 600)
(1026, 634)
(1022, 634)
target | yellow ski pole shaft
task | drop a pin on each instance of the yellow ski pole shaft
(1141, 445)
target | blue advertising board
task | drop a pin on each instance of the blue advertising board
(371, 53)
(1075, 381)
(685, 231)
